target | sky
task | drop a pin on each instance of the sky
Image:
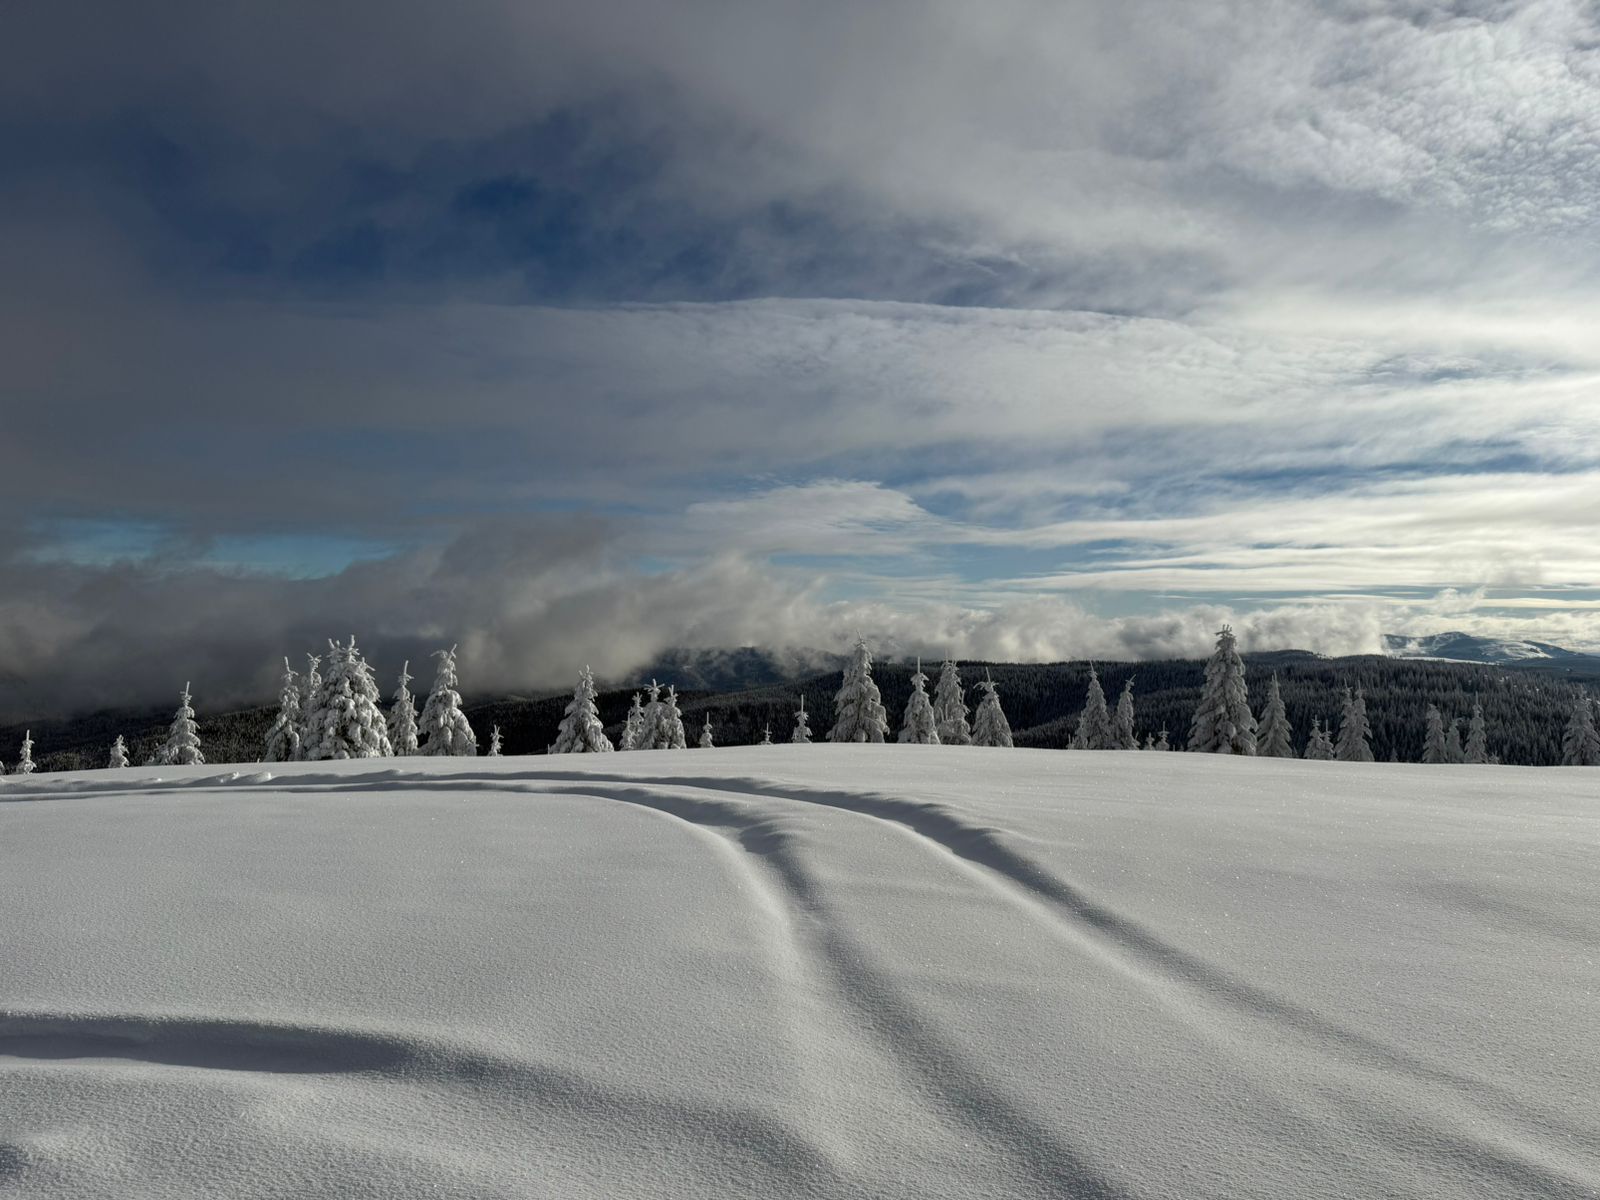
(571, 333)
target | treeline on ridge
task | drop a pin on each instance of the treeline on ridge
(1526, 708)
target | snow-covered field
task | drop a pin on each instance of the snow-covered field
(819, 971)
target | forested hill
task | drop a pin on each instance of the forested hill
(1526, 707)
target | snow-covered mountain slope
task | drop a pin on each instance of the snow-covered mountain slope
(1466, 647)
(819, 971)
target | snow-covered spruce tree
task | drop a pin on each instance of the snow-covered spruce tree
(25, 762)
(802, 726)
(1477, 748)
(1223, 723)
(1319, 748)
(494, 741)
(859, 706)
(632, 727)
(581, 731)
(403, 715)
(1580, 745)
(1434, 749)
(1094, 722)
(1122, 720)
(283, 739)
(989, 725)
(920, 727)
(650, 721)
(310, 684)
(766, 735)
(707, 742)
(1355, 734)
(1162, 743)
(347, 720)
(1149, 742)
(182, 747)
(950, 707)
(1274, 734)
(669, 726)
(119, 754)
(1452, 742)
(443, 724)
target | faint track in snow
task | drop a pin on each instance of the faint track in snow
(943, 1076)
(1465, 1139)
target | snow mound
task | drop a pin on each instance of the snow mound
(801, 971)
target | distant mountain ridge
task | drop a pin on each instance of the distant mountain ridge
(1466, 647)
(733, 670)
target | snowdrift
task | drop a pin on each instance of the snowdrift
(811, 971)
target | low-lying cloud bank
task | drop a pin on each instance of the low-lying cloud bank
(530, 602)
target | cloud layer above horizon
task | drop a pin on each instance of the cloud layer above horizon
(572, 333)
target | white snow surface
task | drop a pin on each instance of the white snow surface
(801, 971)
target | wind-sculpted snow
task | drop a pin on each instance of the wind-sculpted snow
(801, 971)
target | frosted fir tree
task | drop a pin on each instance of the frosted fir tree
(1094, 722)
(119, 754)
(1476, 751)
(650, 736)
(1223, 723)
(1580, 745)
(1273, 736)
(182, 747)
(494, 742)
(766, 735)
(403, 715)
(25, 762)
(1149, 742)
(313, 697)
(309, 683)
(1162, 743)
(920, 727)
(1434, 749)
(632, 727)
(859, 706)
(1355, 735)
(989, 726)
(346, 720)
(283, 739)
(581, 730)
(706, 741)
(670, 735)
(1122, 720)
(802, 726)
(1319, 747)
(950, 707)
(1452, 743)
(443, 724)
